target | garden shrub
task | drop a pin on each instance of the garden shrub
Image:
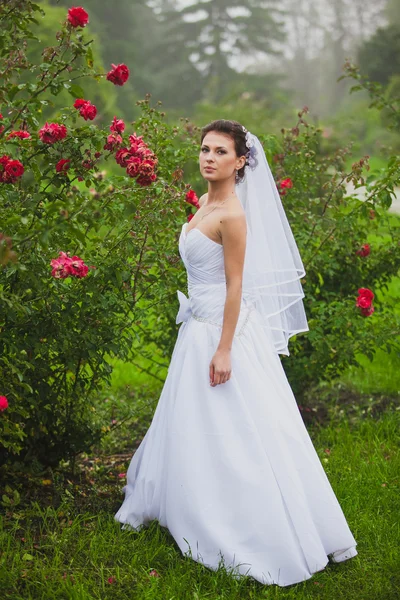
(89, 261)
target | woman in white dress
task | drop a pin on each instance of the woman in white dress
(227, 464)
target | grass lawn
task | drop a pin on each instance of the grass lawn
(61, 541)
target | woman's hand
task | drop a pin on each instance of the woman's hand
(220, 367)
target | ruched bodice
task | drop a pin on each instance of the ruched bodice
(206, 281)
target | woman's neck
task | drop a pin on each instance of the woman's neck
(219, 191)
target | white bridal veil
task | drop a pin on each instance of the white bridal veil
(273, 266)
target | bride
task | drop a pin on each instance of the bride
(227, 464)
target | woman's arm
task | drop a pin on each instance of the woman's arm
(233, 232)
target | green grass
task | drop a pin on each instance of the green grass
(70, 551)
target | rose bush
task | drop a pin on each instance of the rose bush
(89, 263)
(79, 251)
(344, 272)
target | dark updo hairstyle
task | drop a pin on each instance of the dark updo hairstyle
(236, 132)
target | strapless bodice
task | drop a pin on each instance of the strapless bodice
(206, 283)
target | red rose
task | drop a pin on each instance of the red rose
(147, 166)
(366, 312)
(3, 403)
(364, 250)
(117, 125)
(63, 165)
(190, 217)
(145, 180)
(22, 134)
(192, 198)
(88, 111)
(122, 156)
(286, 183)
(3, 161)
(14, 169)
(364, 301)
(118, 75)
(366, 293)
(136, 142)
(65, 266)
(133, 166)
(79, 102)
(113, 141)
(78, 17)
(52, 132)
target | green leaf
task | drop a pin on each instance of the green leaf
(27, 556)
(14, 90)
(76, 91)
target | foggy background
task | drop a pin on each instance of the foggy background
(254, 61)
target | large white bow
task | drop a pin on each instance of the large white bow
(184, 311)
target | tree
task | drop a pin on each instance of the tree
(379, 57)
(217, 35)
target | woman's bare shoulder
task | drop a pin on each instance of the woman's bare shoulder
(203, 199)
(233, 221)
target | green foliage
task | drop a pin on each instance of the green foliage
(58, 336)
(330, 226)
(379, 57)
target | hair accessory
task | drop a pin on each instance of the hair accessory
(252, 151)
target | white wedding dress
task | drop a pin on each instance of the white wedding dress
(231, 470)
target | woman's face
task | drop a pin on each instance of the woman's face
(218, 158)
